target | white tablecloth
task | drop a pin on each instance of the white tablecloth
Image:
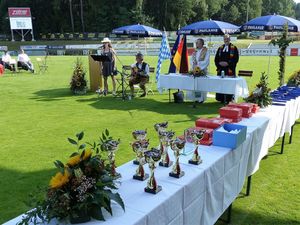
(236, 86)
(206, 190)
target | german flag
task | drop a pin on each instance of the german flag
(181, 59)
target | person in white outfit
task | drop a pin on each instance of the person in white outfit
(7, 61)
(24, 61)
(200, 58)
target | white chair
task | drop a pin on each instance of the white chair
(42, 64)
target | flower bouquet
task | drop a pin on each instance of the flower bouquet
(261, 94)
(78, 84)
(80, 190)
(294, 79)
(197, 72)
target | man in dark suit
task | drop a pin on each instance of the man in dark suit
(226, 59)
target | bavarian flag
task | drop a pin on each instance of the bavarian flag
(181, 58)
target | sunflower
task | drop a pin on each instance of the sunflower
(59, 179)
(87, 154)
(74, 160)
(197, 70)
(78, 84)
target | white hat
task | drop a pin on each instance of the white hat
(106, 40)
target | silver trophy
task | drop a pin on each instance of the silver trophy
(177, 145)
(165, 137)
(197, 136)
(111, 146)
(152, 156)
(138, 135)
(140, 147)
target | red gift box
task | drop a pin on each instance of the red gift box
(224, 120)
(231, 112)
(255, 108)
(209, 123)
(235, 120)
(247, 108)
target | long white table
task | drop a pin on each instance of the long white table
(236, 86)
(206, 191)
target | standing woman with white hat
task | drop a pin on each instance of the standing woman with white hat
(108, 67)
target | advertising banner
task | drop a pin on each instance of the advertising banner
(20, 18)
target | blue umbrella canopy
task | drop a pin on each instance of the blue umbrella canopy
(271, 23)
(137, 30)
(209, 27)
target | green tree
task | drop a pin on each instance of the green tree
(297, 11)
(282, 7)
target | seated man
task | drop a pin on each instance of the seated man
(139, 74)
(7, 61)
(24, 61)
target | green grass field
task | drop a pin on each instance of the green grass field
(38, 113)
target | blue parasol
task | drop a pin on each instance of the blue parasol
(271, 23)
(137, 30)
(209, 27)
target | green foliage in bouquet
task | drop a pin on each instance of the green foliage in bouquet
(294, 79)
(283, 42)
(261, 94)
(78, 84)
(80, 190)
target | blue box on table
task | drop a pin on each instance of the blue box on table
(229, 140)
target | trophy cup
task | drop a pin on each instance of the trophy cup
(140, 147)
(165, 137)
(177, 145)
(152, 156)
(138, 135)
(111, 146)
(197, 136)
(161, 126)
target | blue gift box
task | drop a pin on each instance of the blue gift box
(229, 140)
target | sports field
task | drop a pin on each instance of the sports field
(38, 113)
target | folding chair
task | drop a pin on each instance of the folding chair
(42, 64)
(149, 84)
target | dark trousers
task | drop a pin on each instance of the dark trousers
(224, 98)
(25, 66)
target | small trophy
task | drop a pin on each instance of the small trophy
(197, 136)
(138, 135)
(165, 137)
(152, 156)
(161, 126)
(140, 148)
(111, 146)
(177, 145)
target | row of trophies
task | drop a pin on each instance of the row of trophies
(143, 155)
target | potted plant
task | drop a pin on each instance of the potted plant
(78, 83)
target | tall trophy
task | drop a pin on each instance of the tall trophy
(111, 146)
(177, 145)
(138, 135)
(165, 137)
(152, 156)
(161, 126)
(197, 136)
(140, 147)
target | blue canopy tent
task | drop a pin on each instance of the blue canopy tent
(138, 30)
(209, 27)
(271, 23)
